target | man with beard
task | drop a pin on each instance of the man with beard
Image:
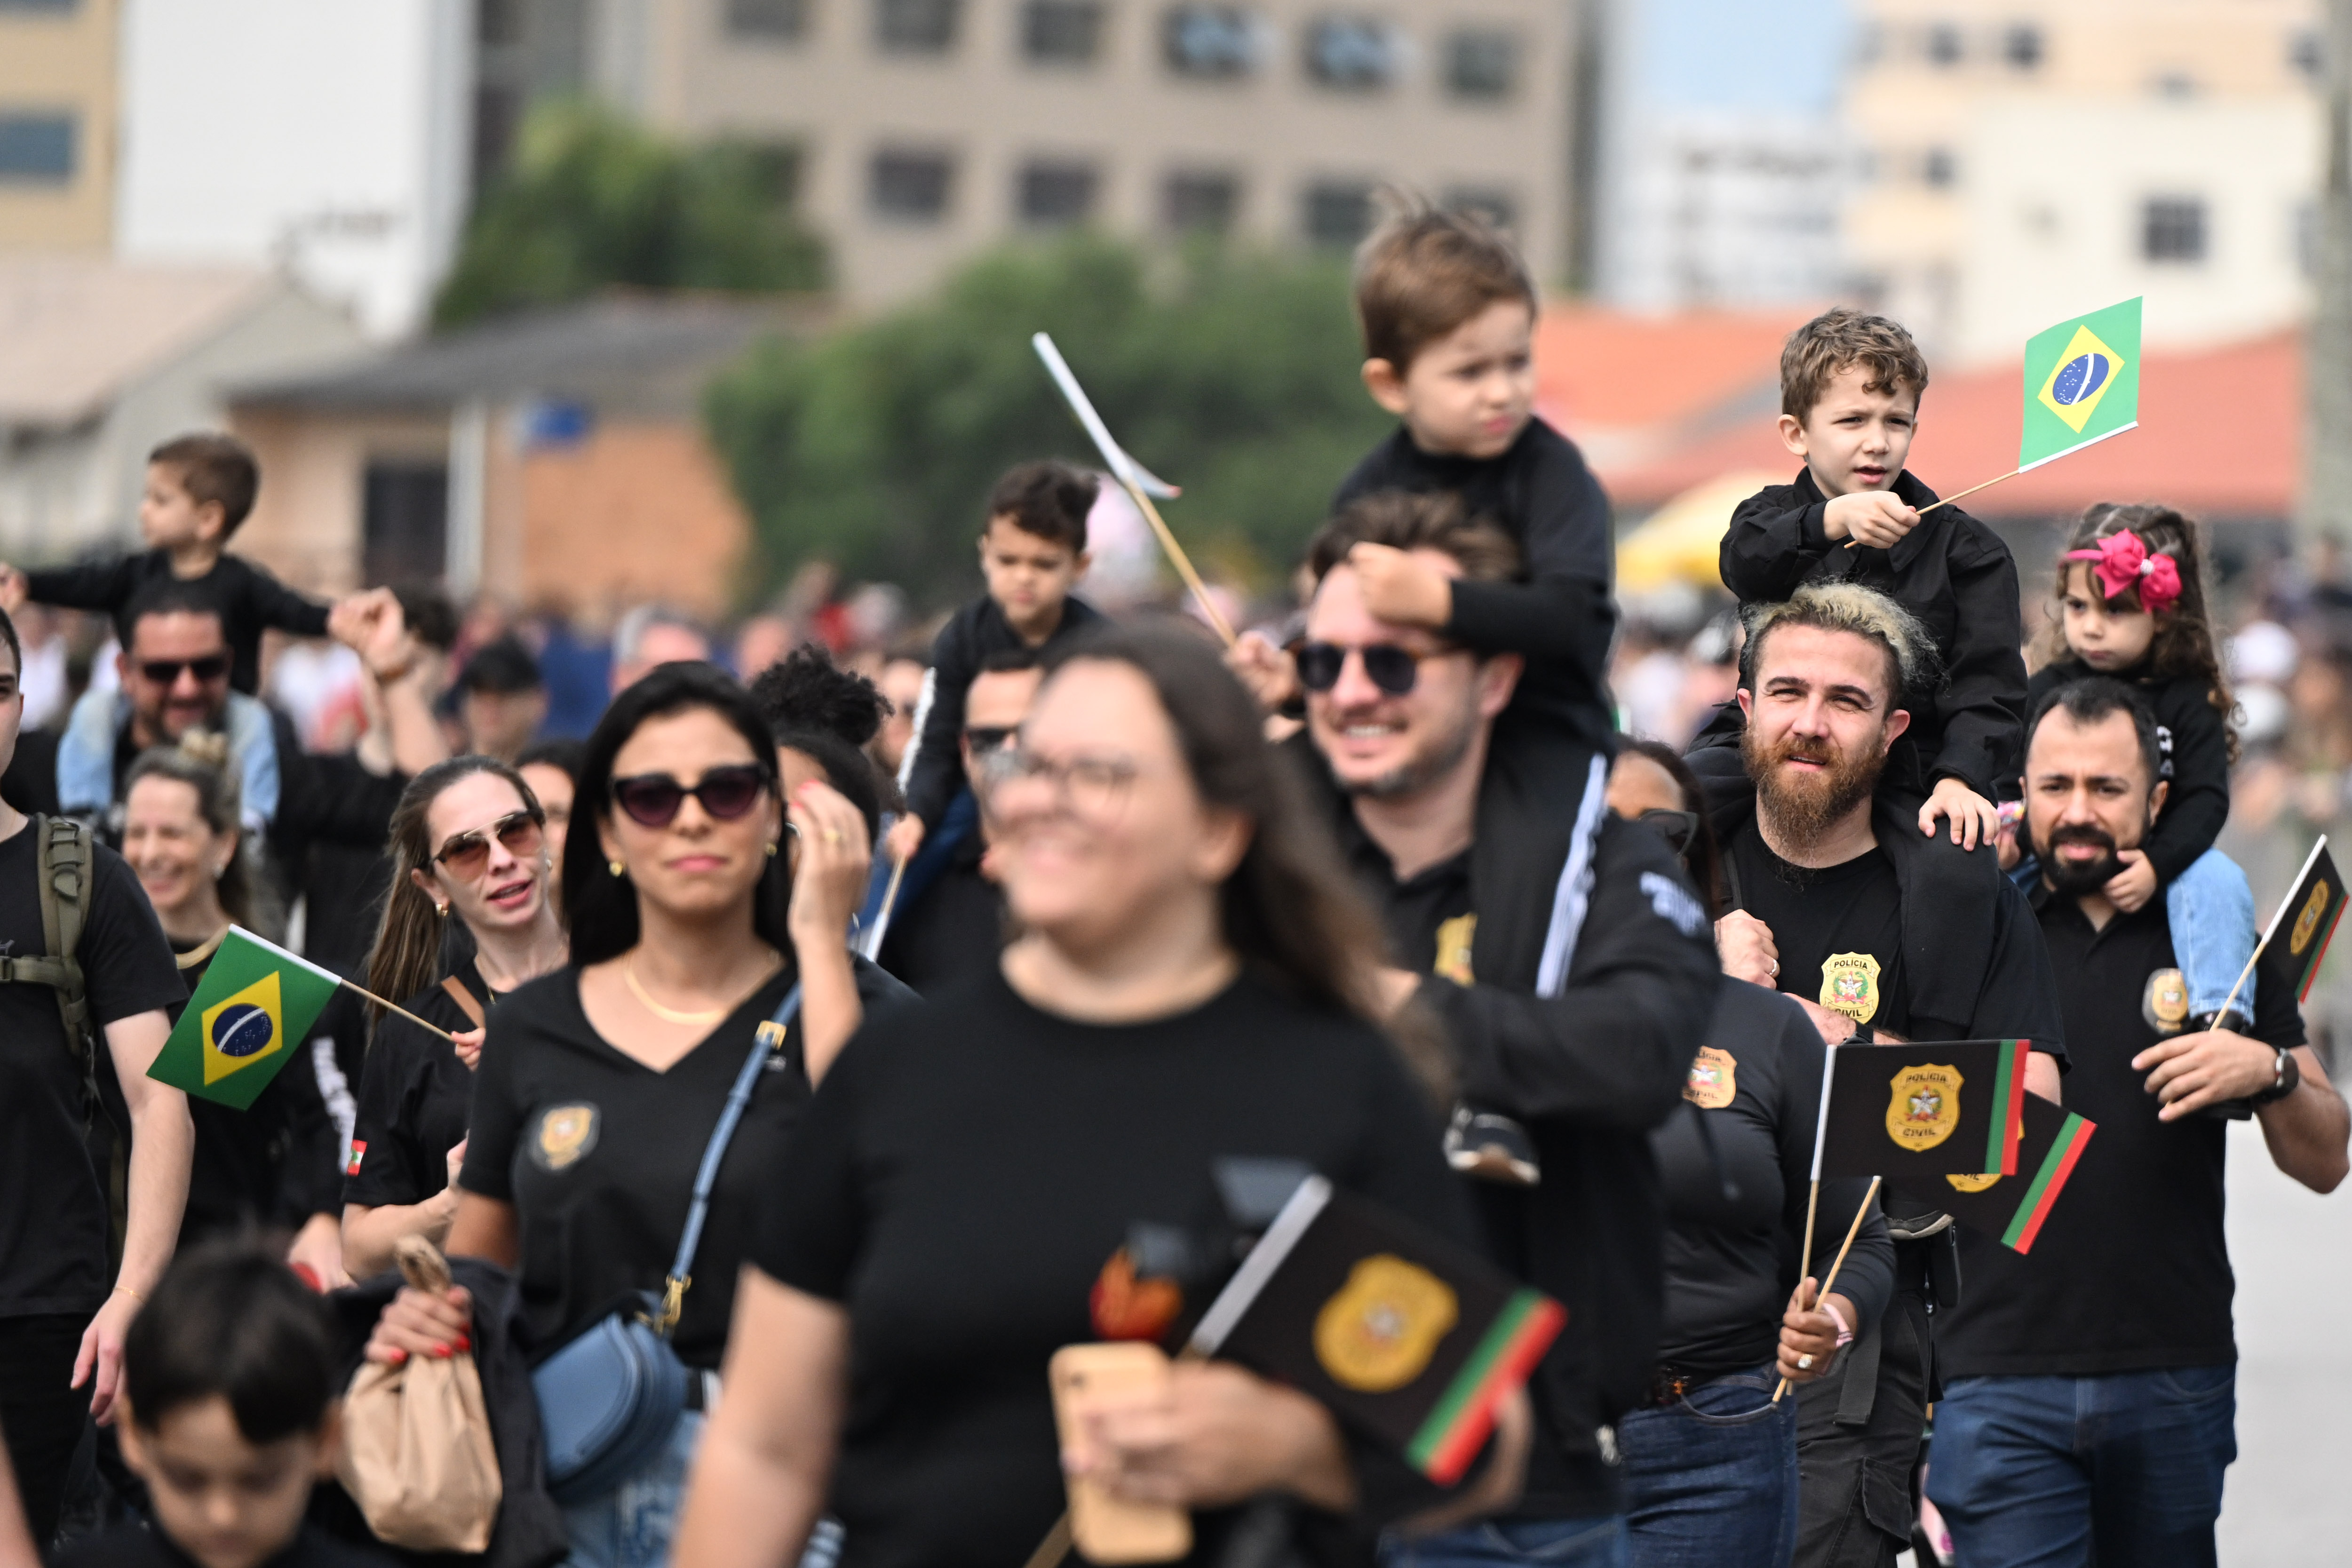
(2089, 1400)
(1563, 957)
(1880, 934)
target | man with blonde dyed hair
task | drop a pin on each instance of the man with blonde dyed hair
(1882, 935)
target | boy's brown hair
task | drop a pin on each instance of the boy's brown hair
(1047, 499)
(1403, 521)
(1838, 339)
(1425, 272)
(216, 471)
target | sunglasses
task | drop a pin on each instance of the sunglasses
(465, 854)
(652, 800)
(1677, 827)
(1392, 669)
(166, 671)
(985, 738)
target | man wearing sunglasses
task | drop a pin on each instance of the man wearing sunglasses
(1565, 959)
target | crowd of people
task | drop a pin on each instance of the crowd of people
(782, 1042)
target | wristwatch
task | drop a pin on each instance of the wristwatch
(2290, 1074)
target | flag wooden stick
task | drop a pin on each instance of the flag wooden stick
(1181, 562)
(1962, 496)
(392, 1007)
(1812, 1207)
(1839, 1262)
(869, 943)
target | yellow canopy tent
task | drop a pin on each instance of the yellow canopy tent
(1679, 542)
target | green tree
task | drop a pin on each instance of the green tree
(593, 200)
(1231, 375)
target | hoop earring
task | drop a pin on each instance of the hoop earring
(615, 867)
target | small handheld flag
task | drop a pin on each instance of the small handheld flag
(2302, 926)
(1934, 1109)
(255, 1004)
(2014, 1207)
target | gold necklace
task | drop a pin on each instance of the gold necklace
(202, 950)
(675, 1015)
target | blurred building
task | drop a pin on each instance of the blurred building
(2025, 160)
(57, 139)
(928, 129)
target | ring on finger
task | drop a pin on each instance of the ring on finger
(832, 835)
(1805, 1363)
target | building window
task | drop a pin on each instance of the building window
(1200, 201)
(915, 27)
(1054, 192)
(1482, 64)
(37, 149)
(1943, 46)
(1210, 41)
(1488, 202)
(2173, 228)
(768, 21)
(1355, 54)
(404, 521)
(1939, 168)
(911, 187)
(2306, 52)
(1338, 213)
(55, 7)
(1061, 32)
(2021, 45)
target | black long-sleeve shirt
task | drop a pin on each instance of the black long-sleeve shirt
(2197, 745)
(1562, 616)
(251, 600)
(976, 631)
(1951, 570)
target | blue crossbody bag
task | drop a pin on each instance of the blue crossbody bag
(609, 1400)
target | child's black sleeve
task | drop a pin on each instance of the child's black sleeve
(1774, 543)
(97, 585)
(1984, 703)
(269, 603)
(2198, 804)
(938, 773)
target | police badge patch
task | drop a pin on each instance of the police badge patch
(1925, 1107)
(1379, 1329)
(1713, 1079)
(1850, 984)
(2165, 1002)
(564, 1135)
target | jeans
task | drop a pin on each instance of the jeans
(2040, 1472)
(43, 1417)
(1517, 1543)
(1711, 1480)
(632, 1525)
(2213, 914)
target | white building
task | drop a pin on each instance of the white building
(328, 136)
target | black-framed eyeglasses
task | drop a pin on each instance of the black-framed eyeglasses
(1394, 669)
(1091, 786)
(986, 738)
(465, 854)
(1679, 829)
(166, 671)
(653, 800)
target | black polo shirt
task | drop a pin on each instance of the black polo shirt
(2131, 1270)
(1838, 929)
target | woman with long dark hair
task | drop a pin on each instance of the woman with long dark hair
(1193, 981)
(469, 855)
(698, 899)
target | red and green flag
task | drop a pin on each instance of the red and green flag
(2013, 1207)
(255, 1006)
(1928, 1108)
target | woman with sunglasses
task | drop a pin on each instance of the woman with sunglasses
(1710, 1464)
(1192, 980)
(698, 901)
(469, 859)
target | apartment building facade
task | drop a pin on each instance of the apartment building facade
(58, 142)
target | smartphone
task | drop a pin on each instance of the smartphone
(1105, 1528)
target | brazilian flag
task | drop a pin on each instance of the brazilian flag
(2081, 383)
(255, 1007)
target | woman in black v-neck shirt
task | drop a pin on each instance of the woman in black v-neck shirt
(1191, 985)
(600, 1084)
(468, 846)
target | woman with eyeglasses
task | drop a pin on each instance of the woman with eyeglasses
(469, 850)
(1192, 980)
(1710, 1464)
(698, 898)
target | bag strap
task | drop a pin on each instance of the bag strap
(465, 1000)
(767, 1039)
(62, 847)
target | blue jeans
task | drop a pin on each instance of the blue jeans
(1516, 1543)
(2041, 1472)
(1711, 1481)
(632, 1525)
(2211, 910)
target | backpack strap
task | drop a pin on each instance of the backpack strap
(62, 877)
(465, 1000)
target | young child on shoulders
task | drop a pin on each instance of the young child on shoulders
(2129, 603)
(1033, 552)
(1851, 385)
(230, 1415)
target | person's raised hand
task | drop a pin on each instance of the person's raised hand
(1809, 1334)
(2131, 888)
(2189, 1072)
(905, 837)
(423, 1322)
(1973, 817)
(833, 866)
(1746, 947)
(1217, 1433)
(1400, 589)
(1266, 669)
(468, 1043)
(1877, 518)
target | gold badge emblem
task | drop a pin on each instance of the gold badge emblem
(1454, 938)
(1850, 984)
(2165, 1003)
(1971, 1183)
(2308, 921)
(1925, 1106)
(1378, 1332)
(566, 1134)
(1713, 1079)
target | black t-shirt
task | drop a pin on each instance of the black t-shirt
(954, 932)
(2131, 1269)
(597, 1153)
(414, 1097)
(1838, 929)
(137, 1546)
(53, 1225)
(970, 1165)
(1732, 1261)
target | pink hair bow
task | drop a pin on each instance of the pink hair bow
(2122, 561)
